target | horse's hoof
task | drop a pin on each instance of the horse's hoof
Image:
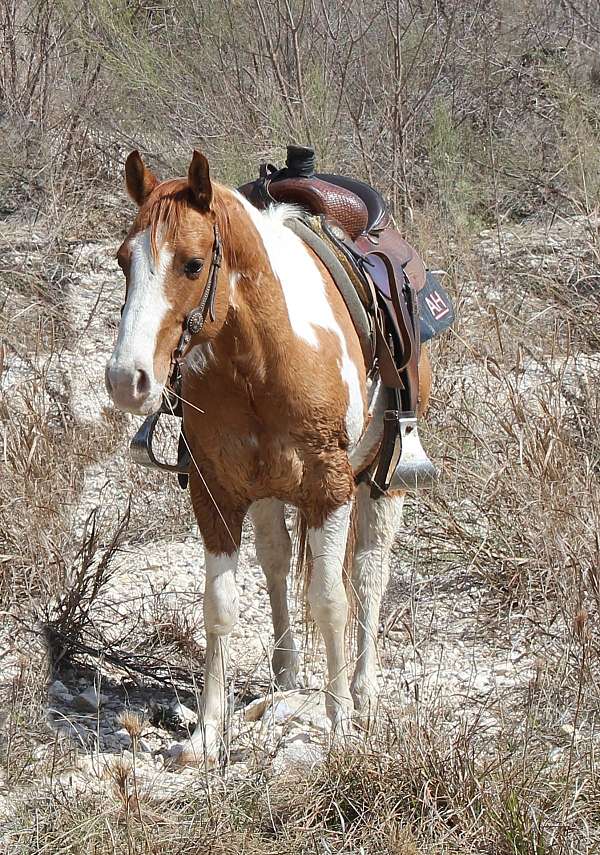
(286, 681)
(285, 669)
(365, 704)
(341, 718)
(192, 754)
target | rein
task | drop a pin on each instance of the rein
(192, 325)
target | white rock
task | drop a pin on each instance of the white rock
(279, 713)
(568, 730)
(314, 722)
(555, 755)
(504, 669)
(90, 699)
(186, 715)
(304, 707)
(59, 690)
(122, 737)
(298, 754)
(482, 683)
(256, 708)
(79, 783)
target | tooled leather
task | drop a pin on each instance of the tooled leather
(378, 212)
(320, 197)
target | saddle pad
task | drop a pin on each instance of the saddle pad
(436, 312)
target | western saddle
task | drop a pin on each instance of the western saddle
(395, 305)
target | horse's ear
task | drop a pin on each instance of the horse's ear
(199, 181)
(140, 180)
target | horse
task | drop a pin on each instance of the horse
(279, 409)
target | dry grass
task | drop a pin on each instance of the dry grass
(469, 118)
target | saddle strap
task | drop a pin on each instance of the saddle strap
(401, 316)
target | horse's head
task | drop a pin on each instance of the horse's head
(168, 259)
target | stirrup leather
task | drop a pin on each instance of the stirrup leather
(403, 463)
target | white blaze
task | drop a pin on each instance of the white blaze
(144, 310)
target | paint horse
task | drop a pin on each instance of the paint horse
(277, 410)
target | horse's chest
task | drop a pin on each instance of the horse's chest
(257, 465)
(255, 448)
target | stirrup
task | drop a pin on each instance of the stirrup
(403, 465)
(140, 449)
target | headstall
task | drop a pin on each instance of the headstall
(193, 324)
(141, 444)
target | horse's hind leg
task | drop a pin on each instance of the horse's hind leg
(329, 606)
(376, 525)
(274, 553)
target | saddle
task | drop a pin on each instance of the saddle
(404, 304)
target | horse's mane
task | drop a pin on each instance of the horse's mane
(167, 207)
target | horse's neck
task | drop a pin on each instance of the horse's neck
(258, 328)
(255, 338)
(280, 314)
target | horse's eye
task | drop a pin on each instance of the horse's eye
(193, 267)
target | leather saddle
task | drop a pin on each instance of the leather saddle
(352, 204)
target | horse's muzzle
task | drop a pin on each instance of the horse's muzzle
(132, 388)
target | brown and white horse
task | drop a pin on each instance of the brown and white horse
(278, 410)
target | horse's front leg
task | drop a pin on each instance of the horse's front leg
(329, 607)
(220, 615)
(221, 533)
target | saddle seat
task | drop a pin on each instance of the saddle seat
(378, 212)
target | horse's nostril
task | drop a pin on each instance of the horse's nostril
(141, 383)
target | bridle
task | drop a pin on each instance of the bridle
(141, 444)
(192, 325)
